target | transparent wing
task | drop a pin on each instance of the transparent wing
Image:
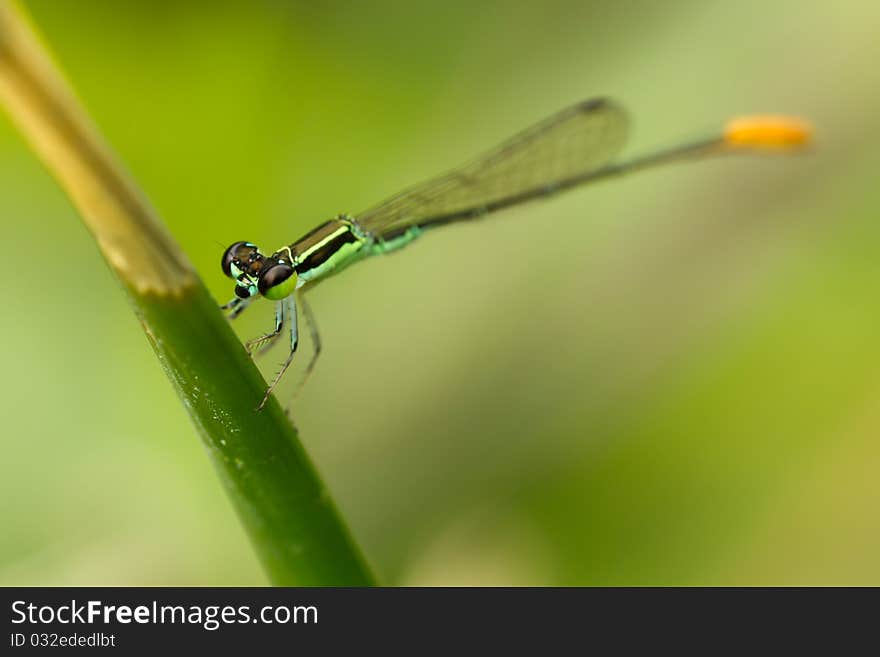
(571, 143)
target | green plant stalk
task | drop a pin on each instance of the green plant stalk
(285, 508)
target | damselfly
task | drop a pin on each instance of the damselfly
(571, 148)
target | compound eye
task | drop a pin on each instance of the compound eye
(277, 281)
(228, 256)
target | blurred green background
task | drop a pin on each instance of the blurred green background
(672, 378)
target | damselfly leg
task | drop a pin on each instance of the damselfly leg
(291, 303)
(235, 307)
(316, 341)
(294, 343)
(265, 341)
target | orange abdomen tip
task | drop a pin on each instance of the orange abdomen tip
(768, 132)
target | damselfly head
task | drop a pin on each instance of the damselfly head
(243, 262)
(271, 276)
